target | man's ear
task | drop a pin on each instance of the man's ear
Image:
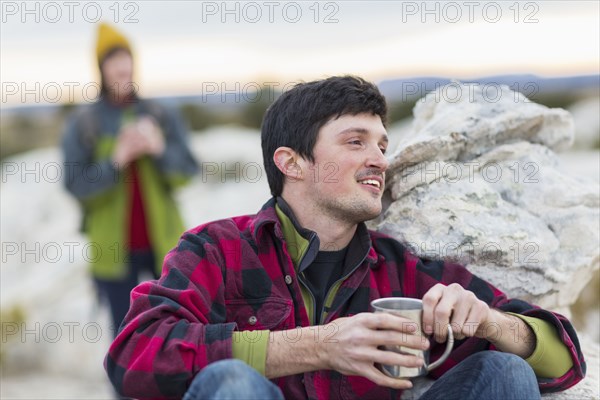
(285, 160)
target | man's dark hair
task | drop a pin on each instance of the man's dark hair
(295, 118)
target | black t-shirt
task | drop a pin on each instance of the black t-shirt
(325, 270)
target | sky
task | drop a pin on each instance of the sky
(192, 47)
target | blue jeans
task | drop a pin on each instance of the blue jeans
(231, 379)
(488, 375)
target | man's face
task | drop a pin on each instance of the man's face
(117, 71)
(347, 178)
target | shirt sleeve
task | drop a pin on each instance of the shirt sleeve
(551, 358)
(251, 347)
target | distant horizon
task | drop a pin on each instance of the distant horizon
(17, 107)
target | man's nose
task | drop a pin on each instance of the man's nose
(378, 160)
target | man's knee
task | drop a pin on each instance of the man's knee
(230, 369)
(231, 379)
(511, 366)
(499, 358)
(487, 375)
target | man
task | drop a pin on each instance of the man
(288, 290)
(125, 156)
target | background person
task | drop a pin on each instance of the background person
(126, 155)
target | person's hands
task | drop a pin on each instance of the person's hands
(352, 349)
(137, 139)
(454, 305)
(129, 146)
(155, 142)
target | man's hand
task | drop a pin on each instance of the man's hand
(469, 316)
(349, 346)
(454, 305)
(137, 139)
(353, 349)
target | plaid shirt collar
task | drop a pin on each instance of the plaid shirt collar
(307, 242)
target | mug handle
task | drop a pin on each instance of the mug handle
(449, 345)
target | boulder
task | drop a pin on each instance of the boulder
(477, 181)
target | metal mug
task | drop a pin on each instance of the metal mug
(411, 309)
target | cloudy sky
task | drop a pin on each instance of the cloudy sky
(185, 47)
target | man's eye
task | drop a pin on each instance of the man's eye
(356, 142)
(383, 150)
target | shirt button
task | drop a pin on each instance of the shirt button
(252, 320)
(288, 279)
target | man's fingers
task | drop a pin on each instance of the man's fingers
(459, 316)
(452, 308)
(394, 338)
(430, 301)
(467, 315)
(391, 358)
(388, 321)
(442, 314)
(478, 312)
(378, 377)
(442, 319)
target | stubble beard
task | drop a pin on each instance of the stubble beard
(348, 210)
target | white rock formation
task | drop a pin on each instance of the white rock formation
(477, 181)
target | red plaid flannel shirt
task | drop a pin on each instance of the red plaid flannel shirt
(224, 272)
